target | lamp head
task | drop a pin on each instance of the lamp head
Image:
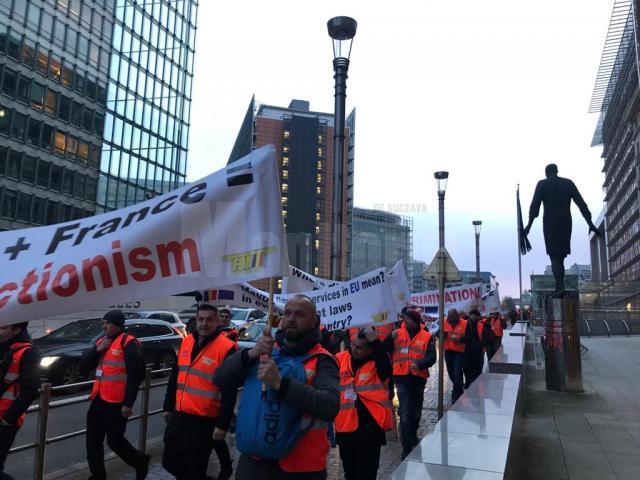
(477, 225)
(342, 30)
(441, 178)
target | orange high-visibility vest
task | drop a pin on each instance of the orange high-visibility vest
(310, 453)
(196, 393)
(353, 334)
(456, 332)
(383, 331)
(496, 326)
(407, 350)
(111, 372)
(365, 385)
(12, 378)
(231, 334)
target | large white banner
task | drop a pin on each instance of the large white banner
(223, 229)
(462, 298)
(299, 281)
(360, 302)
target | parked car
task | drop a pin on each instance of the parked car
(248, 337)
(170, 317)
(62, 349)
(241, 316)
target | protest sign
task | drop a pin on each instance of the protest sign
(298, 281)
(223, 229)
(399, 286)
(462, 298)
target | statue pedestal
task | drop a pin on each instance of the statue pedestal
(563, 365)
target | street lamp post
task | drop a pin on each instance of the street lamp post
(341, 30)
(441, 178)
(477, 225)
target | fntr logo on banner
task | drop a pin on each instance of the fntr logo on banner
(223, 229)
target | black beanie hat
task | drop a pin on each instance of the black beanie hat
(115, 317)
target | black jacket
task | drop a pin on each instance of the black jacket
(321, 401)
(133, 363)
(228, 394)
(29, 376)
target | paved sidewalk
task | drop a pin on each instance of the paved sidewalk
(593, 435)
(389, 458)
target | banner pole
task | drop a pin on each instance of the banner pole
(267, 327)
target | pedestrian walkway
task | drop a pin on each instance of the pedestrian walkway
(593, 435)
(389, 457)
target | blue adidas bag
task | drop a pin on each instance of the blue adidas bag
(270, 427)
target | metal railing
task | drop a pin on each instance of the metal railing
(45, 405)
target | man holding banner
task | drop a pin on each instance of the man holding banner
(314, 399)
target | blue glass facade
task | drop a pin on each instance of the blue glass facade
(95, 100)
(148, 101)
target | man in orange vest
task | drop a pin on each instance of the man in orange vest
(413, 352)
(228, 329)
(498, 324)
(117, 360)
(20, 373)
(317, 399)
(198, 412)
(454, 338)
(477, 337)
(365, 411)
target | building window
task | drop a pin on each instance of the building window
(284, 200)
(285, 134)
(319, 151)
(319, 138)
(285, 149)
(37, 95)
(284, 213)
(318, 190)
(319, 178)
(285, 173)
(316, 271)
(319, 165)
(285, 187)
(285, 161)
(317, 230)
(317, 216)
(317, 244)
(9, 201)
(59, 142)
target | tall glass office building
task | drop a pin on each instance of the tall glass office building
(94, 105)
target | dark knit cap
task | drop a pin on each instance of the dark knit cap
(115, 317)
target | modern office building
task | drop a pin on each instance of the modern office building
(304, 147)
(617, 99)
(94, 105)
(380, 239)
(598, 249)
(583, 272)
(415, 276)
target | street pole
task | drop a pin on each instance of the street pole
(478, 257)
(340, 67)
(341, 30)
(441, 282)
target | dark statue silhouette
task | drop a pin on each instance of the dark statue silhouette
(556, 193)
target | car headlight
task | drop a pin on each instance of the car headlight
(46, 362)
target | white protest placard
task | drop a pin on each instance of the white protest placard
(462, 298)
(298, 281)
(490, 302)
(360, 302)
(399, 286)
(221, 230)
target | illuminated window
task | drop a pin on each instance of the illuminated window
(319, 178)
(319, 165)
(284, 200)
(316, 271)
(318, 190)
(319, 138)
(285, 134)
(284, 213)
(317, 244)
(285, 187)
(318, 216)
(59, 141)
(285, 173)
(280, 283)
(285, 149)
(285, 161)
(319, 151)
(317, 230)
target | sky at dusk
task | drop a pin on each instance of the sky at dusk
(490, 91)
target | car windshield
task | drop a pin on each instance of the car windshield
(252, 333)
(237, 314)
(82, 330)
(133, 315)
